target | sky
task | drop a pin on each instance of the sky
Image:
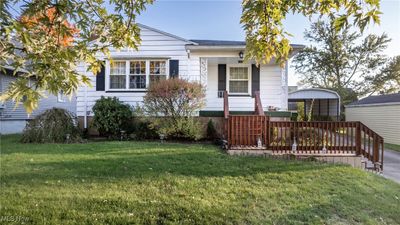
(220, 20)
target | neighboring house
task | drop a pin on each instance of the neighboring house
(13, 118)
(218, 65)
(380, 113)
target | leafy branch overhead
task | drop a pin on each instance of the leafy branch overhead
(43, 41)
(347, 62)
(266, 37)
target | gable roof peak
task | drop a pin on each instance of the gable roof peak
(165, 33)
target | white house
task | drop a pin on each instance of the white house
(13, 117)
(216, 64)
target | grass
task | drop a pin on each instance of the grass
(152, 183)
(393, 147)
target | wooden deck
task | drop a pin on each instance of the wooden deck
(257, 133)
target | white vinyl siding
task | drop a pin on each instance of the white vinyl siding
(383, 119)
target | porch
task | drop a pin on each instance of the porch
(334, 138)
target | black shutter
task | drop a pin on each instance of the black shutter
(101, 79)
(255, 79)
(221, 79)
(173, 68)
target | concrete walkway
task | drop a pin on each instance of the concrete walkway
(391, 165)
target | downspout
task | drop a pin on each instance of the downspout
(85, 113)
(285, 87)
(188, 64)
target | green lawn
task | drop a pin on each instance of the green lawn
(152, 183)
(393, 147)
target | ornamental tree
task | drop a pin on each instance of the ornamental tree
(347, 62)
(171, 104)
(43, 41)
(46, 39)
(266, 38)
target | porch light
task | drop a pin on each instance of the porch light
(241, 55)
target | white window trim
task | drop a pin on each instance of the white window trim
(228, 75)
(127, 71)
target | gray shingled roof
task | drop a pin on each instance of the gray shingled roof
(228, 43)
(378, 99)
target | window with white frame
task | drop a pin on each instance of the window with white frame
(136, 74)
(118, 75)
(239, 80)
(158, 71)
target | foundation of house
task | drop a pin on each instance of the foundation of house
(353, 160)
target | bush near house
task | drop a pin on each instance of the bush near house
(111, 116)
(212, 133)
(172, 104)
(54, 125)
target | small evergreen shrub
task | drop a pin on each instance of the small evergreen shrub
(52, 126)
(111, 116)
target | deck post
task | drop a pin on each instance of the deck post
(383, 149)
(358, 138)
(267, 132)
(226, 119)
(376, 148)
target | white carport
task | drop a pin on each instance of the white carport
(323, 102)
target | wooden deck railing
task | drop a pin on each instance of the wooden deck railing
(306, 138)
(313, 137)
(246, 130)
(371, 145)
(226, 105)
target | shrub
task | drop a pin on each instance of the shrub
(111, 116)
(183, 128)
(176, 100)
(54, 125)
(142, 130)
(142, 126)
(211, 131)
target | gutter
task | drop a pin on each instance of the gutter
(215, 47)
(373, 104)
(230, 47)
(85, 115)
